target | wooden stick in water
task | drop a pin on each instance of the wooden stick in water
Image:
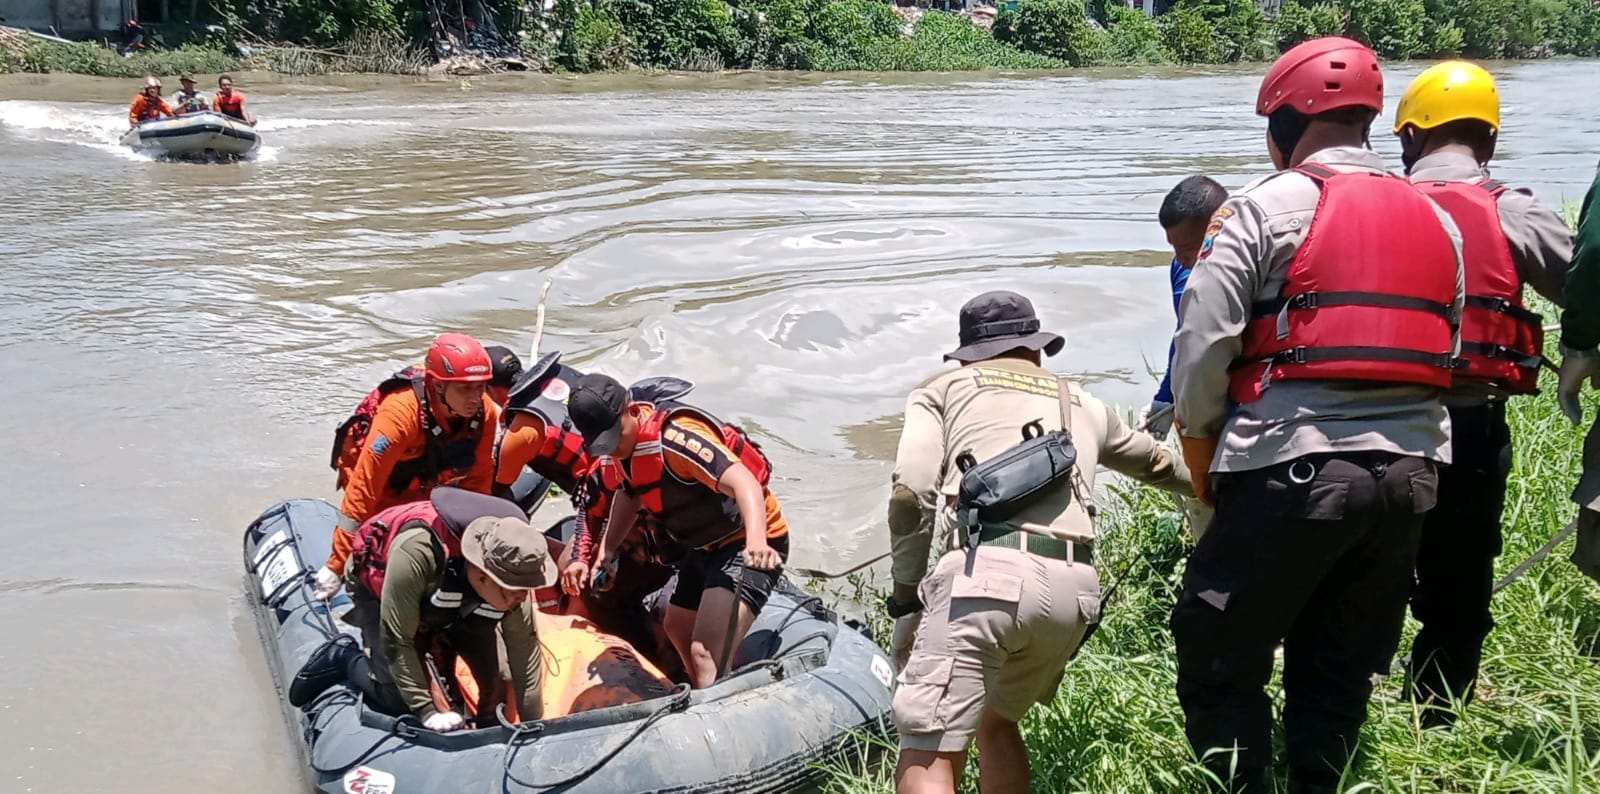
(538, 323)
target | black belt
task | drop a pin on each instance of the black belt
(1005, 537)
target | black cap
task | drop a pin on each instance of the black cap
(998, 321)
(596, 407)
(506, 365)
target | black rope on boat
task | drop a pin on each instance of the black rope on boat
(679, 700)
(405, 727)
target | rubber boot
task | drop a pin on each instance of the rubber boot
(326, 666)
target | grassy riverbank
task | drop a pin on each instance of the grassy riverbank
(1535, 726)
(839, 35)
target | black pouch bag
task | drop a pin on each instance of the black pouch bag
(1004, 485)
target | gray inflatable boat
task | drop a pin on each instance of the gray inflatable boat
(803, 682)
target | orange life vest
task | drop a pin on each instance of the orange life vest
(442, 458)
(696, 517)
(232, 105)
(1368, 296)
(1501, 341)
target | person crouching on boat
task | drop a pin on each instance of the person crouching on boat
(188, 99)
(229, 102)
(418, 430)
(148, 105)
(430, 579)
(704, 485)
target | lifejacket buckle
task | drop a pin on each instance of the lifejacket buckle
(1305, 300)
(1296, 355)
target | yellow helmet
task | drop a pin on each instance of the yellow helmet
(1446, 92)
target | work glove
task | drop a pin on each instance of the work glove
(1156, 419)
(1197, 453)
(1576, 365)
(904, 636)
(327, 583)
(443, 722)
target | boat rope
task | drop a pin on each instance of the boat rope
(404, 727)
(1534, 558)
(531, 731)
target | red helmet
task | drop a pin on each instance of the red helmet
(1322, 75)
(458, 357)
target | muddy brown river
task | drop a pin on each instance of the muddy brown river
(180, 340)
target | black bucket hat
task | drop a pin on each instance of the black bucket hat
(998, 321)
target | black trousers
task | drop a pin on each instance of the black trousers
(1455, 565)
(1318, 553)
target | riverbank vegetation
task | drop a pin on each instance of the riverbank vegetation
(404, 36)
(1116, 725)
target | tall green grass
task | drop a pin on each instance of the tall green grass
(1115, 725)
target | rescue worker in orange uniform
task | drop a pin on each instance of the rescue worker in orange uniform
(1318, 333)
(703, 483)
(148, 104)
(438, 432)
(1448, 123)
(229, 102)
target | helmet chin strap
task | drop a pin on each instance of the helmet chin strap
(1412, 143)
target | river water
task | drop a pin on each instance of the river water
(180, 340)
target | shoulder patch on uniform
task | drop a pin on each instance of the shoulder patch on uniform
(1213, 228)
(695, 447)
(379, 445)
(556, 390)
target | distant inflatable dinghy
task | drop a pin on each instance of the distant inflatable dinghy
(805, 684)
(200, 135)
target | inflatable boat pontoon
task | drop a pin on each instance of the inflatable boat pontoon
(204, 134)
(804, 681)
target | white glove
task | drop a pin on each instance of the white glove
(1576, 365)
(327, 584)
(904, 636)
(443, 722)
(1156, 419)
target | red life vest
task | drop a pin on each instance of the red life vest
(1501, 340)
(542, 392)
(1368, 296)
(442, 459)
(453, 597)
(709, 517)
(232, 105)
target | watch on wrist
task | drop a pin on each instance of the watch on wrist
(899, 609)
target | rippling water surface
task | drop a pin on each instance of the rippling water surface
(180, 340)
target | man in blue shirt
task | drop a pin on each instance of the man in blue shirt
(1185, 214)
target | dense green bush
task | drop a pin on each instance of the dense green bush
(1133, 37)
(592, 37)
(1394, 28)
(1296, 23)
(321, 22)
(1189, 36)
(40, 55)
(1058, 29)
(1242, 30)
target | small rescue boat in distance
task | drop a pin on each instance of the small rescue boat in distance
(200, 135)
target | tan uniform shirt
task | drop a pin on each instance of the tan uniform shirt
(1540, 242)
(981, 408)
(1247, 260)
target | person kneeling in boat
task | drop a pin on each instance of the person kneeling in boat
(188, 99)
(148, 105)
(1013, 448)
(538, 434)
(430, 576)
(419, 429)
(704, 485)
(229, 102)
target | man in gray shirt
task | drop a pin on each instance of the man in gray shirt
(1318, 330)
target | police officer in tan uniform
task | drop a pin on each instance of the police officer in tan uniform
(1317, 334)
(1448, 122)
(995, 625)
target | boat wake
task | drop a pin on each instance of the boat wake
(80, 124)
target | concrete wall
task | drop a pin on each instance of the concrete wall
(66, 16)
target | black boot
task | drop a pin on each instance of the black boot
(326, 666)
